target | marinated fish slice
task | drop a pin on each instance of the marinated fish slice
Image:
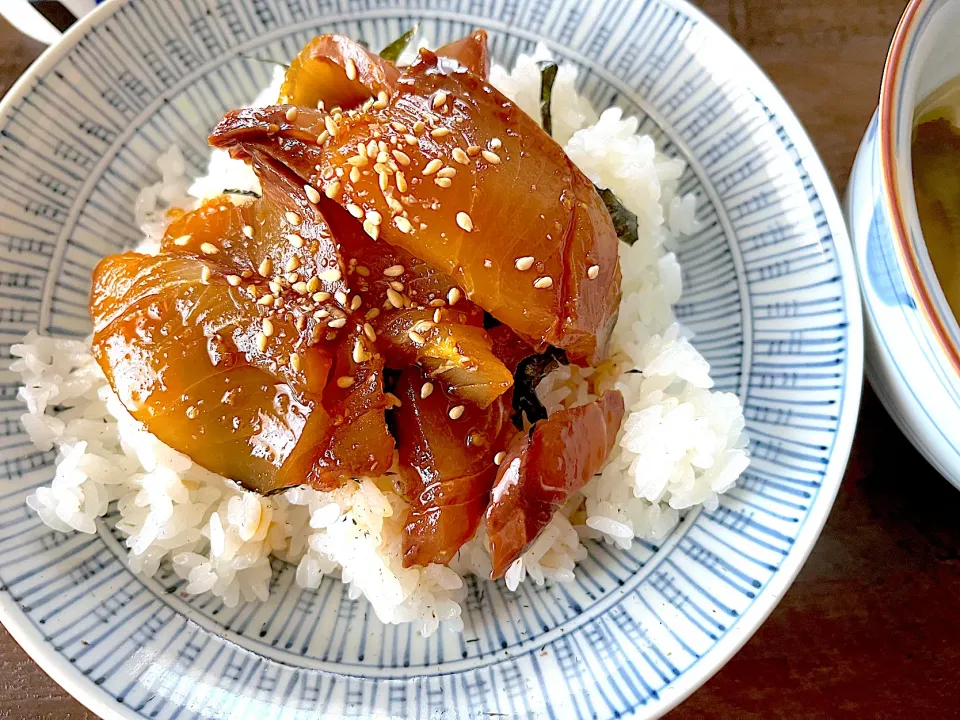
(446, 467)
(338, 72)
(543, 469)
(282, 237)
(470, 52)
(546, 266)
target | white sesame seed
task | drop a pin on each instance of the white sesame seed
(473, 150)
(543, 283)
(294, 239)
(490, 157)
(372, 313)
(372, 229)
(374, 217)
(439, 100)
(300, 288)
(422, 326)
(401, 157)
(381, 100)
(447, 172)
(292, 218)
(394, 204)
(266, 267)
(354, 175)
(350, 67)
(394, 298)
(292, 264)
(453, 296)
(267, 327)
(292, 277)
(182, 240)
(292, 113)
(208, 249)
(331, 125)
(261, 342)
(409, 139)
(416, 337)
(524, 263)
(401, 182)
(465, 221)
(355, 210)
(312, 194)
(205, 275)
(369, 332)
(323, 137)
(332, 189)
(419, 127)
(399, 127)
(431, 167)
(394, 271)
(403, 224)
(425, 390)
(246, 274)
(337, 322)
(345, 381)
(330, 275)
(295, 362)
(341, 297)
(443, 182)
(460, 156)
(248, 231)
(356, 302)
(272, 128)
(275, 287)
(440, 132)
(495, 143)
(313, 284)
(593, 271)
(358, 161)
(437, 315)
(498, 458)
(234, 280)
(396, 285)
(321, 296)
(456, 412)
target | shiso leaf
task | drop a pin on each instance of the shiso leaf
(624, 221)
(548, 74)
(529, 373)
(393, 51)
(247, 193)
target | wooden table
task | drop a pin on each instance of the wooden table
(871, 627)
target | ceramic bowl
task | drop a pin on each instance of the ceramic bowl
(770, 292)
(912, 338)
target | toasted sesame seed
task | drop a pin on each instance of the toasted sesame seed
(341, 297)
(498, 458)
(372, 313)
(460, 156)
(383, 180)
(248, 231)
(332, 189)
(409, 139)
(354, 175)
(205, 274)
(401, 157)
(300, 288)
(473, 150)
(401, 182)
(524, 263)
(394, 204)
(356, 302)
(292, 264)
(440, 132)
(372, 229)
(261, 342)
(447, 172)
(246, 274)
(431, 167)
(292, 277)
(443, 182)
(312, 194)
(369, 332)
(396, 285)
(295, 362)
(323, 137)
(337, 322)
(267, 327)
(416, 337)
(358, 161)
(266, 300)
(294, 239)
(362, 271)
(399, 127)
(419, 127)
(422, 326)
(234, 280)
(437, 302)
(345, 381)
(453, 296)
(465, 221)
(543, 283)
(313, 284)
(439, 100)
(371, 148)
(275, 287)
(272, 128)
(355, 210)
(331, 275)
(374, 217)
(292, 113)
(208, 249)
(350, 67)
(331, 125)
(292, 218)
(437, 315)
(490, 157)
(381, 100)
(403, 224)
(394, 298)
(321, 296)
(266, 267)
(456, 412)
(394, 271)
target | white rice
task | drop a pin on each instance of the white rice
(681, 444)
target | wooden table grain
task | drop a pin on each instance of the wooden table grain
(870, 627)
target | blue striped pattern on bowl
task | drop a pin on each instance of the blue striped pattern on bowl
(769, 292)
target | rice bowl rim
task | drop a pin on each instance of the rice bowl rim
(737, 632)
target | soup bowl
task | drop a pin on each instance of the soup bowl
(912, 337)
